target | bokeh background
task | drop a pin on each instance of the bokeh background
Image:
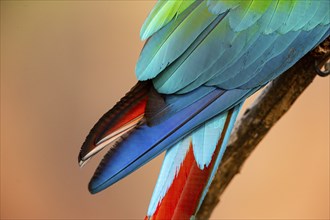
(63, 64)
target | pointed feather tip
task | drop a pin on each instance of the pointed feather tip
(97, 185)
(92, 188)
(144, 35)
(105, 175)
(87, 153)
(83, 162)
(100, 182)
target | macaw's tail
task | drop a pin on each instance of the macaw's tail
(195, 125)
(189, 167)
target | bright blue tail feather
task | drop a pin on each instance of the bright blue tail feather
(144, 143)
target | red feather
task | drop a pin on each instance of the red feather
(128, 111)
(182, 198)
(134, 112)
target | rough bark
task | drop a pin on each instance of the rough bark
(270, 106)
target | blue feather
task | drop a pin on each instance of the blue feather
(144, 143)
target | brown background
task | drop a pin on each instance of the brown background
(63, 64)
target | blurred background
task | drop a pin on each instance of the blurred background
(64, 64)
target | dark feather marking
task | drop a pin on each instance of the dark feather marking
(137, 93)
(156, 103)
(161, 107)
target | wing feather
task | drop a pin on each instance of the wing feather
(311, 9)
(162, 14)
(234, 49)
(277, 48)
(251, 56)
(247, 14)
(322, 14)
(249, 34)
(170, 42)
(278, 64)
(173, 79)
(296, 16)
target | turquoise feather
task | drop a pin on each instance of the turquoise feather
(242, 77)
(161, 15)
(218, 7)
(225, 44)
(274, 67)
(235, 49)
(279, 16)
(173, 42)
(246, 15)
(295, 17)
(205, 139)
(172, 79)
(252, 56)
(322, 14)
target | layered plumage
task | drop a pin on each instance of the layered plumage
(201, 60)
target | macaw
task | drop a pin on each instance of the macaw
(200, 61)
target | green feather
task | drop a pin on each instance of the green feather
(247, 14)
(280, 14)
(170, 42)
(296, 16)
(218, 7)
(162, 14)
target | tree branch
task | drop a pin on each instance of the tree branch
(258, 119)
